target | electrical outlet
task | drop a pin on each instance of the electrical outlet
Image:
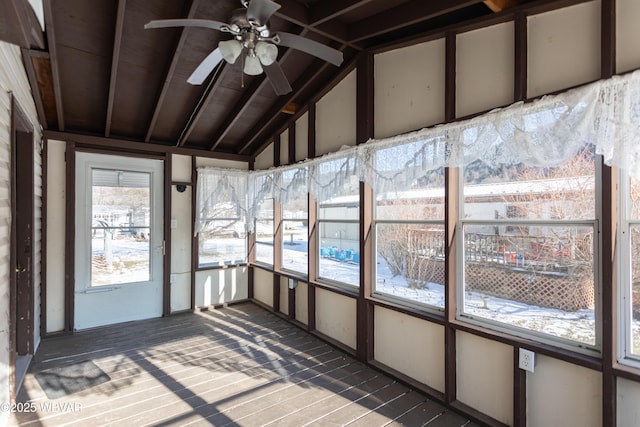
(173, 278)
(527, 360)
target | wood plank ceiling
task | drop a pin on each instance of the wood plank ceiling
(102, 74)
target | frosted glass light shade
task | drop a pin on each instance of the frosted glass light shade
(266, 52)
(252, 66)
(230, 50)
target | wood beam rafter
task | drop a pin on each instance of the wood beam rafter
(27, 56)
(53, 54)
(500, 5)
(170, 72)
(115, 60)
(325, 10)
(407, 14)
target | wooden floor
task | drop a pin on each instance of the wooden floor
(234, 366)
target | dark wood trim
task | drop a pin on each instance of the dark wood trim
(250, 283)
(70, 190)
(609, 216)
(194, 239)
(124, 145)
(166, 265)
(520, 57)
(519, 391)
(291, 301)
(311, 307)
(276, 292)
(311, 131)
(44, 240)
(175, 59)
(365, 131)
(292, 143)
(451, 220)
(115, 61)
(53, 54)
(276, 150)
(327, 10)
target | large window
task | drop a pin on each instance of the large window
(339, 231)
(528, 248)
(263, 230)
(409, 231)
(630, 273)
(223, 240)
(295, 230)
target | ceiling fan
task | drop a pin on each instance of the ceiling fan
(252, 42)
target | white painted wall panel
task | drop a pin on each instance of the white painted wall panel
(411, 346)
(181, 248)
(263, 286)
(409, 88)
(336, 117)
(221, 286)
(563, 48)
(336, 317)
(484, 69)
(627, 35)
(302, 137)
(284, 148)
(563, 394)
(218, 163)
(180, 168)
(302, 303)
(55, 235)
(264, 160)
(485, 376)
(628, 398)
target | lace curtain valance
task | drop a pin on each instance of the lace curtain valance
(547, 131)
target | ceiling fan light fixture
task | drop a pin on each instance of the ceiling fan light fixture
(266, 52)
(252, 65)
(230, 50)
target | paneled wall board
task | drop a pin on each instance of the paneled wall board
(627, 35)
(284, 148)
(180, 168)
(563, 48)
(628, 398)
(411, 346)
(409, 88)
(264, 160)
(55, 235)
(302, 137)
(485, 376)
(336, 316)
(221, 286)
(263, 286)
(181, 248)
(484, 69)
(574, 393)
(336, 117)
(302, 295)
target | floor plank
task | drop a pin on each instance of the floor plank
(237, 366)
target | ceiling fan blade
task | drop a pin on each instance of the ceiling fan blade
(311, 47)
(259, 11)
(205, 68)
(203, 23)
(277, 78)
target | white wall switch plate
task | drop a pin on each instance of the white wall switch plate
(174, 224)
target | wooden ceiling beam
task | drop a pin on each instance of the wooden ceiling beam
(407, 14)
(500, 5)
(330, 9)
(115, 60)
(170, 72)
(218, 76)
(55, 72)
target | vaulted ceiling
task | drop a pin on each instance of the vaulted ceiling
(98, 72)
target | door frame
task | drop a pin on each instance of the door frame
(74, 147)
(22, 194)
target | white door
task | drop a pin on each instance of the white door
(119, 239)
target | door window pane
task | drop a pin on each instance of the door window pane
(120, 227)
